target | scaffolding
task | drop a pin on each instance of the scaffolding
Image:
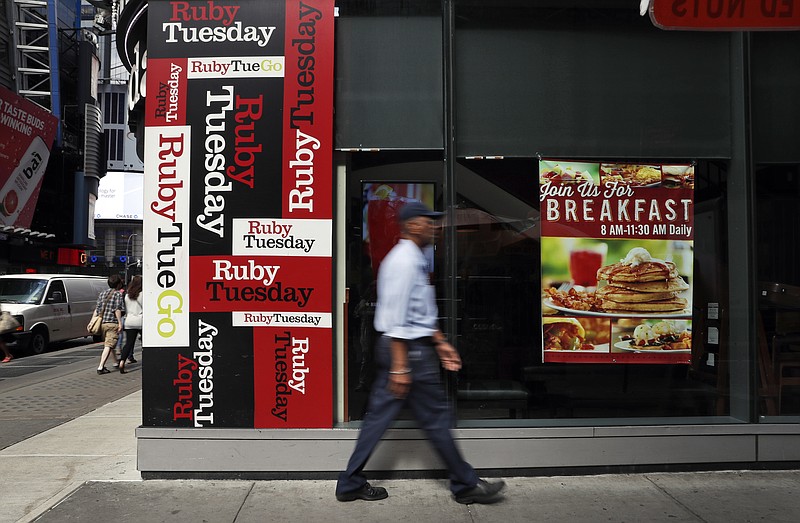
(34, 79)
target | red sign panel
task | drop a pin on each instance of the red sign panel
(233, 283)
(68, 256)
(732, 15)
(307, 137)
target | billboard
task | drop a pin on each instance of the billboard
(27, 133)
(616, 250)
(120, 197)
(238, 209)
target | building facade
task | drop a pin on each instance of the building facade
(456, 103)
(50, 61)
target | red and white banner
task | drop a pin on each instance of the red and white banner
(238, 214)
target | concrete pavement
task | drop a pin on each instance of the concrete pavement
(85, 470)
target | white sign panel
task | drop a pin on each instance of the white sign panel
(166, 237)
(279, 237)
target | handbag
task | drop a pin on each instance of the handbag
(96, 323)
(8, 323)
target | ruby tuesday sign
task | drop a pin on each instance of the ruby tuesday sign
(733, 15)
(238, 214)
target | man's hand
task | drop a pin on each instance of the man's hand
(399, 385)
(448, 355)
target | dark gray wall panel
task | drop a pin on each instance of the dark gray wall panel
(605, 88)
(389, 83)
(775, 78)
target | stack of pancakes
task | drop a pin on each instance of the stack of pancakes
(648, 287)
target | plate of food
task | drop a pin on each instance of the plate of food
(661, 336)
(635, 175)
(564, 175)
(637, 286)
(617, 314)
(568, 334)
(627, 346)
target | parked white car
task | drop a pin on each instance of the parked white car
(49, 307)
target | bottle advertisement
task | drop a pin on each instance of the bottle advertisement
(28, 132)
(617, 260)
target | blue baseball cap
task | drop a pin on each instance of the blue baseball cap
(414, 209)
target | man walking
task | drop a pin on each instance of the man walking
(407, 358)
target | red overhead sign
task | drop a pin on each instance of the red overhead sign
(726, 15)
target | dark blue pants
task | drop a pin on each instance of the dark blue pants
(130, 341)
(427, 402)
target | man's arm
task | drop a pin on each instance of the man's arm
(448, 354)
(399, 371)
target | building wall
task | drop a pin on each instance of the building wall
(511, 84)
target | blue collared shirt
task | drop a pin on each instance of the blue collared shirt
(406, 307)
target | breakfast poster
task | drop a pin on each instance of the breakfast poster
(617, 256)
(238, 214)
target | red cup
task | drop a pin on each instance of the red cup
(583, 266)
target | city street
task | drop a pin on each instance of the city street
(43, 391)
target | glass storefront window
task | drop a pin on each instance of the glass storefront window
(778, 351)
(498, 307)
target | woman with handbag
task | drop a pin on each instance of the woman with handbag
(133, 319)
(110, 308)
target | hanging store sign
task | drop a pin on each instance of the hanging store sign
(617, 243)
(27, 133)
(238, 210)
(730, 15)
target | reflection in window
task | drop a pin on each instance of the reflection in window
(777, 224)
(499, 308)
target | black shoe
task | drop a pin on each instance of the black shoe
(484, 492)
(367, 493)
(122, 370)
(103, 371)
(131, 360)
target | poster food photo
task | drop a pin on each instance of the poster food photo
(617, 259)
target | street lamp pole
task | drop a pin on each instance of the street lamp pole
(127, 256)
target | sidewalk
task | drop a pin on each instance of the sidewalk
(39, 471)
(85, 470)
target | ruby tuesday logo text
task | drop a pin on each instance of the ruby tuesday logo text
(225, 284)
(222, 25)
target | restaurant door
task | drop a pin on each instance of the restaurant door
(377, 185)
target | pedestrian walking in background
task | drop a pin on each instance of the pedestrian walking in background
(6, 353)
(121, 339)
(110, 306)
(133, 320)
(408, 355)
(8, 324)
